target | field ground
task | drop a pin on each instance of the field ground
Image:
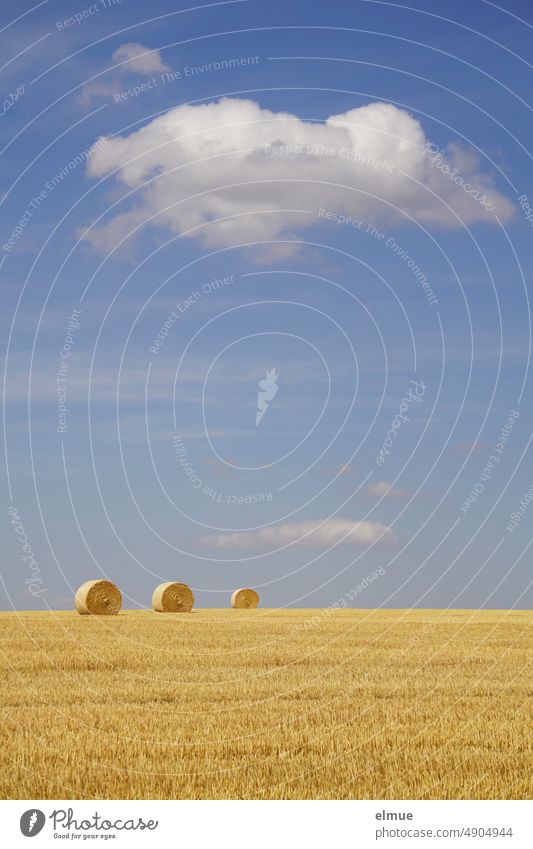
(267, 704)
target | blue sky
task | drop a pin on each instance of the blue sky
(194, 197)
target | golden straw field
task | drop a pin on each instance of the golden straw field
(267, 704)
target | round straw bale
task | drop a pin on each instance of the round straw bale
(100, 598)
(244, 599)
(173, 597)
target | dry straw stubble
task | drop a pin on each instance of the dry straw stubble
(384, 704)
(98, 598)
(173, 597)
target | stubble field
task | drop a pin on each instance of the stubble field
(267, 704)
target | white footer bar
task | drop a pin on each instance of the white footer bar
(268, 825)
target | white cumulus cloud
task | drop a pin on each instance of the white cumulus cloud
(312, 532)
(229, 172)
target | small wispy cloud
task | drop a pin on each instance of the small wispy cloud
(384, 488)
(131, 59)
(344, 470)
(312, 532)
(137, 59)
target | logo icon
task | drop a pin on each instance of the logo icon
(267, 390)
(32, 822)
